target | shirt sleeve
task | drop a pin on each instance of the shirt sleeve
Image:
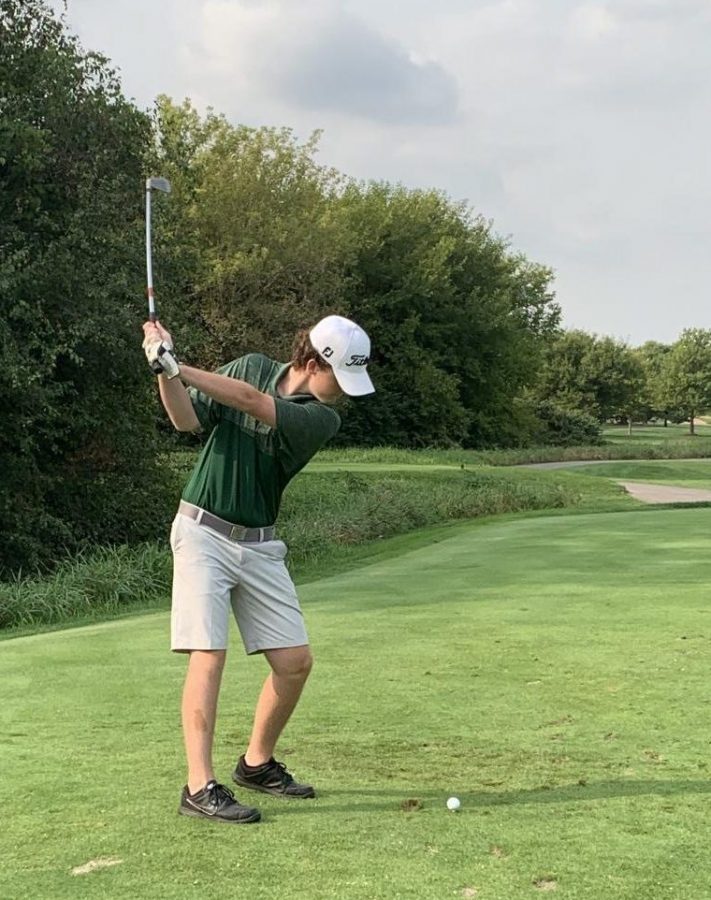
(209, 411)
(302, 429)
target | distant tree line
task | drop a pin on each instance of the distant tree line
(257, 240)
(609, 381)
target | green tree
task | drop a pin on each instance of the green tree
(259, 240)
(687, 374)
(458, 323)
(598, 375)
(76, 431)
(565, 375)
(653, 356)
(618, 375)
(249, 245)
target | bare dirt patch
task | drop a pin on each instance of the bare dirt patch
(102, 862)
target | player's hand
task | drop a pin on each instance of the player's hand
(164, 335)
(156, 331)
(159, 353)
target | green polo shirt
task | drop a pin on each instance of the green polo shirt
(245, 464)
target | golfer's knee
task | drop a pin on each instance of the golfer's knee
(294, 664)
(306, 665)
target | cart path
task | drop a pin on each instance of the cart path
(647, 492)
(571, 464)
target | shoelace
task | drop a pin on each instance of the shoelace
(219, 793)
(285, 776)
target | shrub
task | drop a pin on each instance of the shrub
(563, 427)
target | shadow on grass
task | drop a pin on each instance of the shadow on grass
(389, 800)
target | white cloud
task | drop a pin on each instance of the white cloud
(593, 21)
(316, 56)
(581, 128)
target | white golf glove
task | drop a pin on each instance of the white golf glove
(161, 357)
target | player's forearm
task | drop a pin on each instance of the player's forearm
(232, 392)
(177, 404)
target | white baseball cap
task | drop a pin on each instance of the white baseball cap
(346, 348)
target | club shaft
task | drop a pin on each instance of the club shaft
(149, 260)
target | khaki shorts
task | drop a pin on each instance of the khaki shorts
(213, 575)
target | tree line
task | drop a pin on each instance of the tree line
(257, 240)
(614, 382)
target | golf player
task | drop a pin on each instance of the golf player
(264, 420)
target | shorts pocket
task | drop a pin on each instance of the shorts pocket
(174, 534)
(275, 549)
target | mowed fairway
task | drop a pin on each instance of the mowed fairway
(552, 672)
(682, 473)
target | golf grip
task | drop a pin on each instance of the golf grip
(152, 314)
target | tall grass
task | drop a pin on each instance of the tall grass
(324, 511)
(321, 512)
(93, 584)
(679, 445)
(692, 448)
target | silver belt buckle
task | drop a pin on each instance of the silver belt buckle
(237, 532)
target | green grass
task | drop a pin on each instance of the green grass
(329, 516)
(100, 584)
(655, 434)
(324, 516)
(647, 442)
(696, 474)
(552, 672)
(679, 447)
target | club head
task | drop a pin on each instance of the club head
(158, 184)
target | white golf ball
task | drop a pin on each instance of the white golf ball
(453, 804)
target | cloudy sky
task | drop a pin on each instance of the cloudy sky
(582, 129)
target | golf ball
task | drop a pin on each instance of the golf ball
(453, 804)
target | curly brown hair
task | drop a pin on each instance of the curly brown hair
(303, 350)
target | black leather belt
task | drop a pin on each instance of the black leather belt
(227, 529)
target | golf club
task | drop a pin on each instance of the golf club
(152, 184)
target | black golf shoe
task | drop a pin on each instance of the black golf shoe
(217, 802)
(271, 778)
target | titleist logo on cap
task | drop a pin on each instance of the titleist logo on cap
(346, 348)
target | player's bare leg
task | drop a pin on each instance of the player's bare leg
(282, 689)
(277, 700)
(199, 712)
(203, 796)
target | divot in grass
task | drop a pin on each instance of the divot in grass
(102, 862)
(654, 757)
(563, 720)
